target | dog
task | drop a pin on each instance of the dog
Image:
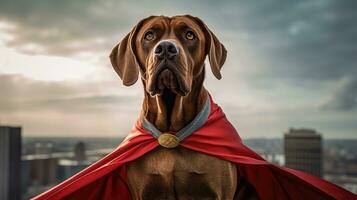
(169, 53)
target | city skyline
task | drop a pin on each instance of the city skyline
(289, 64)
(339, 158)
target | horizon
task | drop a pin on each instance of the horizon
(122, 137)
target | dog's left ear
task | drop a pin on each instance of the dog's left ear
(123, 57)
(217, 53)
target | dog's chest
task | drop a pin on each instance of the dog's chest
(180, 174)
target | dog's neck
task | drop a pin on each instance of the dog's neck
(171, 112)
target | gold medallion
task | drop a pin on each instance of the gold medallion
(168, 140)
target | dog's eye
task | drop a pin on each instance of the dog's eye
(149, 35)
(190, 35)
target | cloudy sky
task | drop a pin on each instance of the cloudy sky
(290, 64)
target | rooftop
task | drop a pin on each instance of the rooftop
(302, 132)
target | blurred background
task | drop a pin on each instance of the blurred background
(290, 81)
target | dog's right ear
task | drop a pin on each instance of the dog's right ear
(123, 57)
(124, 61)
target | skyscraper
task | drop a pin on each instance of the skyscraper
(303, 151)
(80, 152)
(10, 163)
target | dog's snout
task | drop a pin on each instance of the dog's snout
(166, 49)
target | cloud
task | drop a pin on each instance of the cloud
(28, 95)
(61, 108)
(345, 98)
(292, 40)
(69, 27)
(303, 40)
(53, 68)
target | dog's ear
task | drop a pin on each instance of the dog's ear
(217, 53)
(123, 57)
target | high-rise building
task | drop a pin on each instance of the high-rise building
(10, 163)
(41, 169)
(303, 151)
(80, 152)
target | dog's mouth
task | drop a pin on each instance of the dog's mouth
(167, 78)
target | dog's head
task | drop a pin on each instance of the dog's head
(169, 52)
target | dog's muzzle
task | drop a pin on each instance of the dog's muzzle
(166, 74)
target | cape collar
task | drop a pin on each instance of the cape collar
(195, 124)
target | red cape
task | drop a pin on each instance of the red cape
(217, 137)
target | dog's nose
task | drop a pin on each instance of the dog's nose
(166, 49)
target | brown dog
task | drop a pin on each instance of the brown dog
(169, 54)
